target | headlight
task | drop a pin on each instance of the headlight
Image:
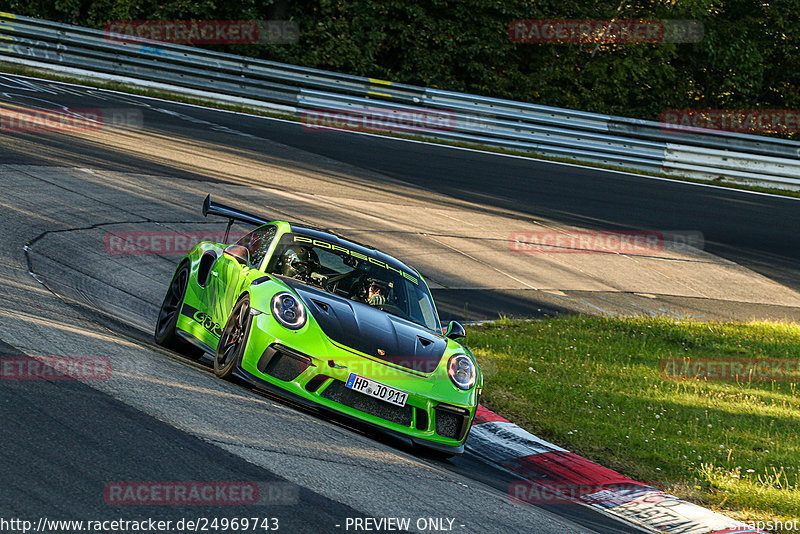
(462, 371)
(288, 311)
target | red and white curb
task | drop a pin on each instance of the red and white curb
(556, 475)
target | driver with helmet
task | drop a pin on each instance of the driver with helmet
(375, 295)
(299, 261)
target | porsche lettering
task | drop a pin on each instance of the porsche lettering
(355, 254)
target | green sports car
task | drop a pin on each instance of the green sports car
(325, 321)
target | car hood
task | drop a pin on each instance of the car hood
(372, 331)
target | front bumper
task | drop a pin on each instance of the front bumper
(338, 415)
(436, 414)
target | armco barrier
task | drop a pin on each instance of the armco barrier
(623, 142)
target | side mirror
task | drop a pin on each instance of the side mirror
(239, 253)
(455, 331)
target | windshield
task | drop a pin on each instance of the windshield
(355, 276)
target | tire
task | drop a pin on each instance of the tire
(233, 340)
(165, 334)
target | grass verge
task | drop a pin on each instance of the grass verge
(174, 96)
(595, 386)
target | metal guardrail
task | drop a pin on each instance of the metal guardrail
(624, 142)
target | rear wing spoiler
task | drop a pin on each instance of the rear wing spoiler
(232, 214)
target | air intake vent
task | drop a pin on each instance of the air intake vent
(314, 384)
(422, 419)
(283, 363)
(451, 422)
(322, 305)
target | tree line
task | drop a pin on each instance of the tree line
(748, 56)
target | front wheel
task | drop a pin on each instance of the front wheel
(233, 339)
(165, 333)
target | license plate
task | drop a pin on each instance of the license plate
(376, 389)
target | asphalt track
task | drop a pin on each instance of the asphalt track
(162, 417)
(758, 232)
(64, 441)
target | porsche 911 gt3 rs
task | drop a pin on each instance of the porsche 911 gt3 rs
(331, 323)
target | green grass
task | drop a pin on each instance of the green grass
(216, 104)
(594, 385)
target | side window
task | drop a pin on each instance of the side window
(257, 243)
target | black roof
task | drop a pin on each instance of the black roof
(334, 238)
